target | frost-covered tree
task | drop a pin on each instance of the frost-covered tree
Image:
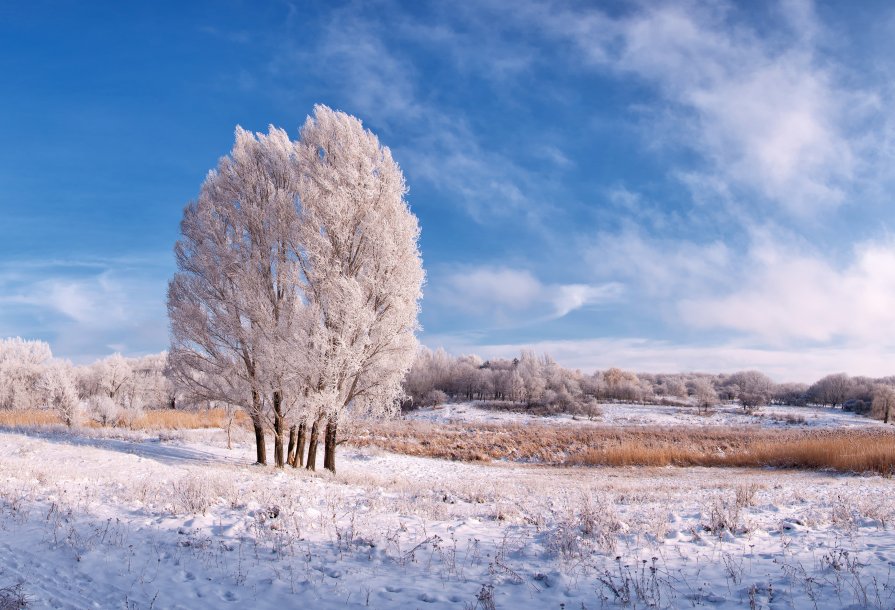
(59, 385)
(114, 378)
(21, 366)
(704, 394)
(233, 301)
(298, 281)
(754, 388)
(884, 402)
(362, 275)
(831, 390)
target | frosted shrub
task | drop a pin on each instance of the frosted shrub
(589, 408)
(57, 382)
(196, 493)
(132, 412)
(577, 532)
(103, 410)
(433, 397)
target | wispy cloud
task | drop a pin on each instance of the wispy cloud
(502, 293)
(440, 146)
(87, 308)
(764, 110)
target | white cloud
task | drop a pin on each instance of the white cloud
(84, 307)
(485, 287)
(657, 266)
(499, 291)
(764, 110)
(566, 298)
(789, 294)
(378, 82)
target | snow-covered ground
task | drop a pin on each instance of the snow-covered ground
(657, 415)
(185, 523)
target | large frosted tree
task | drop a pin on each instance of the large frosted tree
(299, 279)
(234, 299)
(362, 274)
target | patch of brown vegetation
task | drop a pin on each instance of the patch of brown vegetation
(152, 419)
(173, 419)
(28, 417)
(842, 450)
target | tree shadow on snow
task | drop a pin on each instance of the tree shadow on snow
(150, 448)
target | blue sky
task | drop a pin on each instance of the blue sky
(660, 186)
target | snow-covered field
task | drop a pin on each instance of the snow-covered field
(657, 415)
(184, 523)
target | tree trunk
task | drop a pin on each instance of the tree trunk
(329, 445)
(290, 454)
(258, 424)
(260, 448)
(279, 424)
(300, 446)
(311, 463)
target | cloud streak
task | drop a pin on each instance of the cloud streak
(501, 293)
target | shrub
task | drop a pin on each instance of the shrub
(103, 410)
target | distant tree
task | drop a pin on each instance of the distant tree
(704, 393)
(755, 388)
(883, 402)
(831, 390)
(114, 377)
(103, 410)
(790, 393)
(675, 386)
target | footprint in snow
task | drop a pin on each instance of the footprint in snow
(393, 589)
(429, 598)
(230, 596)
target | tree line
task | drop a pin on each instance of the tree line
(116, 390)
(539, 381)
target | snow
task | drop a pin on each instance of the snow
(616, 414)
(137, 522)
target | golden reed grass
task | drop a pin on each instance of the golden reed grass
(172, 419)
(152, 419)
(870, 450)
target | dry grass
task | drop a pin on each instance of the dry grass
(28, 417)
(842, 450)
(172, 419)
(152, 419)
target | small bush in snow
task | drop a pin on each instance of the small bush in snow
(103, 410)
(132, 412)
(13, 597)
(432, 398)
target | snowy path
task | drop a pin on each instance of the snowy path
(105, 523)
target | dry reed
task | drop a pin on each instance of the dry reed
(152, 419)
(842, 450)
